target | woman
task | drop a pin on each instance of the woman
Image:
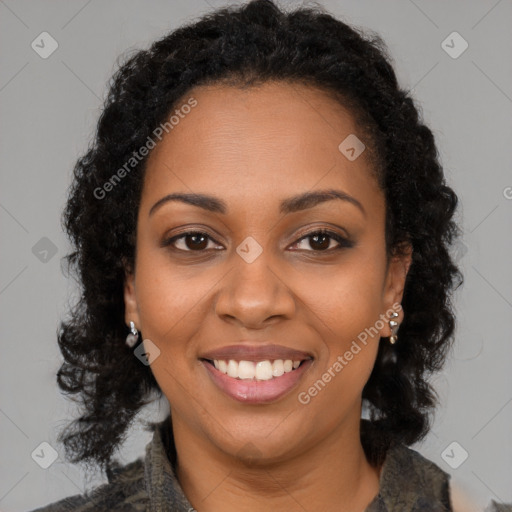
(261, 231)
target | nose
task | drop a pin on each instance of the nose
(255, 294)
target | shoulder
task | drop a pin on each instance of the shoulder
(417, 470)
(124, 492)
(412, 479)
(409, 481)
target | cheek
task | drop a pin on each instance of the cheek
(347, 303)
(172, 303)
(171, 308)
(346, 297)
(165, 291)
(347, 315)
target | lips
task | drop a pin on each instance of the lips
(255, 353)
(256, 391)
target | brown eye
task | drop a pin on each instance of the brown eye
(196, 241)
(190, 241)
(320, 241)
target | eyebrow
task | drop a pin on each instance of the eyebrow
(292, 204)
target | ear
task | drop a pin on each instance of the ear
(394, 286)
(131, 311)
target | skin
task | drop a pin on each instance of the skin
(254, 148)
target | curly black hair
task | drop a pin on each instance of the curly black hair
(244, 46)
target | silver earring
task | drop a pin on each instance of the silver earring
(393, 325)
(133, 337)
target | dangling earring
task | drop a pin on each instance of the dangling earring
(133, 337)
(393, 325)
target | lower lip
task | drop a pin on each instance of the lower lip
(257, 391)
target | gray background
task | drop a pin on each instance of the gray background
(49, 108)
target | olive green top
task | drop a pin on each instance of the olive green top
(408, 483)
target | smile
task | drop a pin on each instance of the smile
(256, 381)
(259, 370)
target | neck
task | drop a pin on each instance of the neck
(331, 475)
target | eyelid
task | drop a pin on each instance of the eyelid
(342, 240)
(169, 241)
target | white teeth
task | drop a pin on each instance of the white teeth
(263, 370)
(278, 368)
(246, 370)
(259, 370)
(232, 369)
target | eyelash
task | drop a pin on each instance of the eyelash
(342, 241)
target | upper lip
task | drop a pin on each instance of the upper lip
(255, 353)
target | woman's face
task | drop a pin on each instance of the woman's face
(257, 282)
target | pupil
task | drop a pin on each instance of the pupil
(322, 245)
(196, 245)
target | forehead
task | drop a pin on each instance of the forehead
(273, 136)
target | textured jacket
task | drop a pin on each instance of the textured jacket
(408, 483)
